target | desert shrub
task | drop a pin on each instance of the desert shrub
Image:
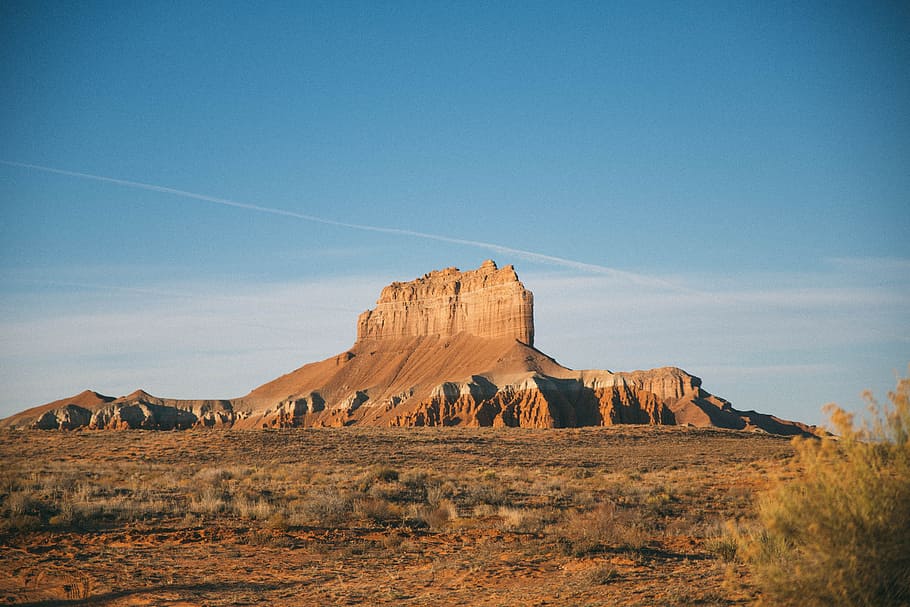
(190, 521)
(487, 493)
(327, 507)
(21, 502)
(415, 479)
(377, 510)
(526, 520)
(20, 522)
(839, 533)
(434, 516)
(511, 518)
(600, 575)
(279, 521)
(10, 480)
(604, 528)
(211, 476)
(420, 486)
(660, 502)
(389, 490)
(257, 509)
(438, 492)
(211, 500)
(376, 474)
(726, 542)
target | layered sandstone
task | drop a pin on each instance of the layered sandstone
(449, 349)
(487, 302)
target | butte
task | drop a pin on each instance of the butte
(450, 348)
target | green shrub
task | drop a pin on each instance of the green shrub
(839, 534)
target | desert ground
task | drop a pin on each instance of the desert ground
(621, 515)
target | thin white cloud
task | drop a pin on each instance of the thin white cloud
(896, 266)
(175, 340)
(489, 246)
(765, 371)
(171, 293)
(783, 350)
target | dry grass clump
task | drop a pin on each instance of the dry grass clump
(259, 509)
(605, 528)
(527, 520)
(839, 533)
(377, 474)
(600, 575)
(210, 500)
(487, 492)
(327, 507)
(377, 510)
(725, 542)
(512, 519)
(210, 476)
(433, 516)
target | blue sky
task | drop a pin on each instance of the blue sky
(744, 167)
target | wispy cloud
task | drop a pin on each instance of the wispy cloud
(785, 350)
(174, 292)
(897, 267)
(534, 256)
(765, 371)
(173, 339)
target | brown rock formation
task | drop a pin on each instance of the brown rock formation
(486, 302)
(450, 348)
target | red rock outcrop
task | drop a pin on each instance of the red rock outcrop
(450, 348)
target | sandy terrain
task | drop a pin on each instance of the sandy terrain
(626, 515)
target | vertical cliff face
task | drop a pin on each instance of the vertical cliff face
(486, 302)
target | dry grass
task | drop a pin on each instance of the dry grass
(609, 516)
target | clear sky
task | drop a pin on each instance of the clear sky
(720, 186)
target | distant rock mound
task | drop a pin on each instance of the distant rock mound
(449, 349)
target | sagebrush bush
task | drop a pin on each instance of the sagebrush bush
(839, 534)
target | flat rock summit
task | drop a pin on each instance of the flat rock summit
(449, 349)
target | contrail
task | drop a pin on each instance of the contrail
(520, 253)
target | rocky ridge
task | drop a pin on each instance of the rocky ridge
(449, 349)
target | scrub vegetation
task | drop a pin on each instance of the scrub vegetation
(625, 515)
(839, 532)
